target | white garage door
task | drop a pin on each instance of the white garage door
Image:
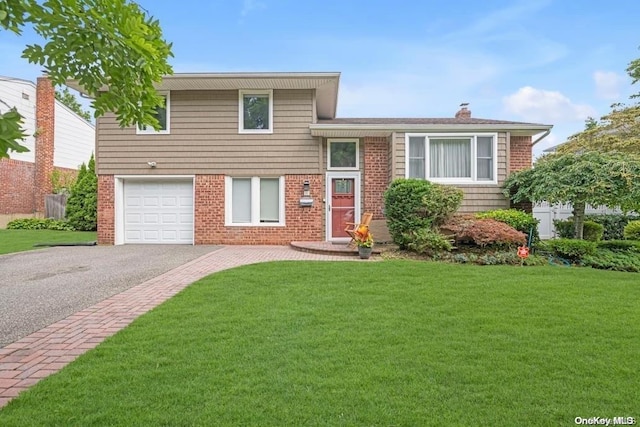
(158, 211)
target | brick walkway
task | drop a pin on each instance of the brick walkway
(28, 360)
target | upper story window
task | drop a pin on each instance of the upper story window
(256, 111)
(342, 154)
(452, 158)
(162, 115)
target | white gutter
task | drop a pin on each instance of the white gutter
(544, 135)
(317, 128)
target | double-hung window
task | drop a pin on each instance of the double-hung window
(162, 115)
(452, 158)
(254, 201)
(255, 111)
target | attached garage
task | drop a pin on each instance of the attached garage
(157, 211)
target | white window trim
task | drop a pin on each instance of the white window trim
(241, 94)
(148, 130)
(474, 164)
(332, 140)
(255, 202)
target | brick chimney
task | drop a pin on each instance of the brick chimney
(464, 112)
(45, 127)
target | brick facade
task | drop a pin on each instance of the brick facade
(520, 158)
(45, 129)
(106, 210)
(520, 153)
(376, 174)
(17, 192)
(302, 223)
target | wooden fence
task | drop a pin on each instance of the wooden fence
(55, 206)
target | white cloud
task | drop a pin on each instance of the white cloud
(249, 6)
(538, 105)
(608, 84)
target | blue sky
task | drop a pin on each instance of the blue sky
(544, 61)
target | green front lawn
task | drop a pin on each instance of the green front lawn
(23, 240)
(392, 343)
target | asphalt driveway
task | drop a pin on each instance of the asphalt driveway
(38, 288)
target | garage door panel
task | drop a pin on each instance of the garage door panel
(151, 201)
(169, 202)
(158, 211)
(151, 219)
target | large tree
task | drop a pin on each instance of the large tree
(610, 179)
(619, 130)
(101, 44)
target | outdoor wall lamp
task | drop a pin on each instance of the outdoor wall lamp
(306, 200)
(152, 164)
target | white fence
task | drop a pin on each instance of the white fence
(546, 213)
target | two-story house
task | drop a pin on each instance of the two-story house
(57, 139)
(260, 158)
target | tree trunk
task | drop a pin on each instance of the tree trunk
(578, 219)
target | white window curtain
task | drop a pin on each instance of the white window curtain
(450, 158)
(416, 157)
(241, 200)
(269, 199)
(485, 158)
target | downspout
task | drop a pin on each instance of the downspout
(544, 135)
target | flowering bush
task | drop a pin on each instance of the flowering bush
(363, 237)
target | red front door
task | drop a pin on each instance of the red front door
(343, 205)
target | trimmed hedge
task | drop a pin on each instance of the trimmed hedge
(606, 259)
(613, 224)
(415, 204)
(591, 231)
(427, 241)
(39, 224)
(620, 245)
(632, 230)
(571, 249)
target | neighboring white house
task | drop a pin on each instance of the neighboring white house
(57, 138)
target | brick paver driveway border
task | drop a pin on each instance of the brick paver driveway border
(28, 360)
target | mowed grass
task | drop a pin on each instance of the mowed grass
(23, 240)
(393, 343)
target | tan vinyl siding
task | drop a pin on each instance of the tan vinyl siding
(477, 197)
(204, 139)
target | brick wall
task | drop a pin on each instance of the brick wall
(16, 191)
(45, 129)
(376, 174)
(106, 210)
(520, 152)
(520, 158)
(301, 223)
